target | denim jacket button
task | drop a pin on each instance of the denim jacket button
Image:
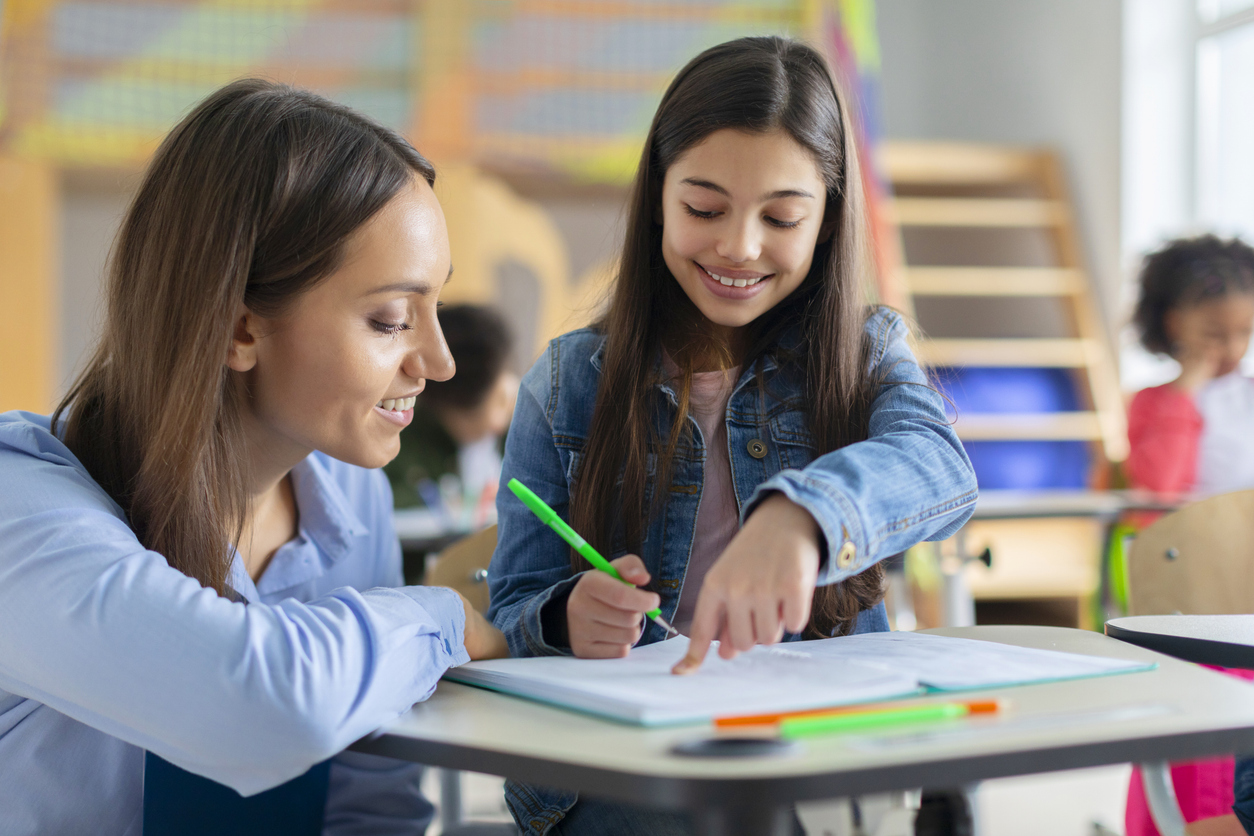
(844, 557)
(757, 448)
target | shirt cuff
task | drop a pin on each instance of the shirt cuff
(445, 607)
(531, 622)
(847, 546)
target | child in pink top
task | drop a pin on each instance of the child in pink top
(1195, 435)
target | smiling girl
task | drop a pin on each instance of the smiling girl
(743, 434)
(196, 548)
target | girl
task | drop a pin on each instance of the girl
(1195, 435)
(739, 430)
(183, 541)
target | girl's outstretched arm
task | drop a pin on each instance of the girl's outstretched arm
(910, 480)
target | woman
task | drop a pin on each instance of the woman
(196, 547)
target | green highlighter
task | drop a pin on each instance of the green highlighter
(550, 518)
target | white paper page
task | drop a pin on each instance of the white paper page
(953, 664)
(641, 688)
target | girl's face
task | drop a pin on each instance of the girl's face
(338, 371)
(741, 215)
(1217, 328)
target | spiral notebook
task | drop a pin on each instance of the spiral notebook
(640, 689)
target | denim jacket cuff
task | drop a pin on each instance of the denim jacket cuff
(533, 631)
(848, 547)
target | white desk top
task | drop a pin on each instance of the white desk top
(992, 505)
(1177, 711)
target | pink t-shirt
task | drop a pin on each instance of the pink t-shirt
(718, 517)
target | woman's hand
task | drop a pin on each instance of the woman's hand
(604, 616)
(760, 586)
(483, 641)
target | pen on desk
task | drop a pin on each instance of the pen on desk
(550, 518)
(791, 728)
(737, 721)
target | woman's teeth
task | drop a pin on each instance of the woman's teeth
(726, 282)
(397, 404)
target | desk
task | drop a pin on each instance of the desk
(1177, 711)
(1031, 568)
(1224, 640)
(1104, 505)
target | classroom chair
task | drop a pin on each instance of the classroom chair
(1198, 560)
(464, 566)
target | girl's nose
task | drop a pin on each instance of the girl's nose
(741, 243)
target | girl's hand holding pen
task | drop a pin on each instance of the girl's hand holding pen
(760, 587)
(604, 616)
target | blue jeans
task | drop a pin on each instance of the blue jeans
(1243, 793)
(594, 817)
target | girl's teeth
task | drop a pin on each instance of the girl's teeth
(389, 404)
(725, 282)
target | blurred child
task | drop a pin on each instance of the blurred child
(459, 424)
(1195, 435)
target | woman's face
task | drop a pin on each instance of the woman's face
(741, 215)
(338, 371)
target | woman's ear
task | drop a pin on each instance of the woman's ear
(245, 334)
(827, 229)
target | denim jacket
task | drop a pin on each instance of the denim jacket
(910, 480)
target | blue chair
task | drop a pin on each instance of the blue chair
(180, 803)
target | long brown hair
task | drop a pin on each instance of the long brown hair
(755, 85)
(250, 199)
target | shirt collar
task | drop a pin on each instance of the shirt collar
(328, 529)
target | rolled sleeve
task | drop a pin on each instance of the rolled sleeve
(910, 480)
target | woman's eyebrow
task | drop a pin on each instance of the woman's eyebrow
(775, 195)
(421, 288)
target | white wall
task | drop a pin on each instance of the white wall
(1032, 72)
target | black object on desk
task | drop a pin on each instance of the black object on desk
(1224, 640)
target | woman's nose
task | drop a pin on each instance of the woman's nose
(430, 358)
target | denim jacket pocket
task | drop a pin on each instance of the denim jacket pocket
(792, 438)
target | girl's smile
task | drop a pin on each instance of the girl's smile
(733, 284)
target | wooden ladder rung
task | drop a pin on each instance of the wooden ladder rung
(977, 211)
(1053, 353)
(950, 163)
(1039, 426)
(994, 281)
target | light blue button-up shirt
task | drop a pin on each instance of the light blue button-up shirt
(106, 651)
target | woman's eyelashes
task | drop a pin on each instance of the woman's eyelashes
(390, 328)
(711, 214)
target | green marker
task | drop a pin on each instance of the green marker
(795, 727)
(550, 518)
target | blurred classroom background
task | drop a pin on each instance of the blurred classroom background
(1024, 157)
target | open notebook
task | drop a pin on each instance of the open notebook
(799, 675)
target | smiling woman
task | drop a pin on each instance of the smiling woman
(196, 549)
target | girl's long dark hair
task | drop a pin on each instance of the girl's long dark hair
(250, 199)
(757, 85)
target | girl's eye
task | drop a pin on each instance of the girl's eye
(776, 222)
(697, 213)
(390, 328)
